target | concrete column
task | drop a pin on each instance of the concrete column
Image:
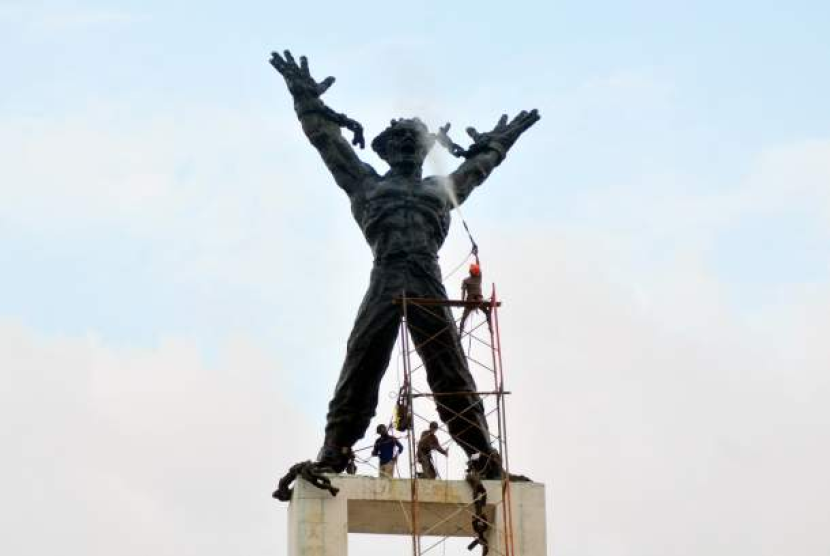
(317, 522)
(527, 502)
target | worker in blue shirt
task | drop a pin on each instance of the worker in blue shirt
(385, 450)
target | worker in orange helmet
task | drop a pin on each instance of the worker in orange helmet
(471, 291)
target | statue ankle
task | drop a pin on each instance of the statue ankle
(336, 459)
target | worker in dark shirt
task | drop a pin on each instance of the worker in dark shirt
(427, 443)
(471, 291)
(385, 450)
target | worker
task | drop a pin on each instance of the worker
(471, 291)
(387, 448)
(427, 443)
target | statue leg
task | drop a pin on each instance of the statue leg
(437, 343)
(368, 352)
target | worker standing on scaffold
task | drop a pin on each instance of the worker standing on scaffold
(471, 291)
(387, 449)
(426, 445)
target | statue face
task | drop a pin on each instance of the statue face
(407, 148)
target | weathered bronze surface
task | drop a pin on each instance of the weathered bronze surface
(405, 218)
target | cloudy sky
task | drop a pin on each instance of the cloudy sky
(180, 274)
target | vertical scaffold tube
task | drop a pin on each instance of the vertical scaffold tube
(501, 416)
(407, 373)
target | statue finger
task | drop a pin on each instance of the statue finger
(445, 128)
(304, 65)
(520, 117)
(277, 61)
(474, 135)
(289, 58)
(502, 121)
(325, 84)
(531, 117)
(528, 119)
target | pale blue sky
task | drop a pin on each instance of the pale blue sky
(668, 220)
(701, 89)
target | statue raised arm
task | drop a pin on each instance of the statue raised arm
(487, 151)
(322, 125)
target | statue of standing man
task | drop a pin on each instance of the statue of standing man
(405, 218)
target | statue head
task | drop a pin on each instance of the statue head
(404, 144)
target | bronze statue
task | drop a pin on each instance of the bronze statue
(405, 218)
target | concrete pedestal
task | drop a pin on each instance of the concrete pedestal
(319, 523)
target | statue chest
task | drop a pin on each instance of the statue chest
(421, 206)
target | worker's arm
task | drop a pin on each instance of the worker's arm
(400, 446)
(322, 125)
(488, 151)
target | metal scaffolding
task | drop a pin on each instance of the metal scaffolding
(481, 343)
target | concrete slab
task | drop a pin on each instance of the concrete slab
(319, 523)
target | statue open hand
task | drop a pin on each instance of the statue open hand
(504, 134)
(298, 78)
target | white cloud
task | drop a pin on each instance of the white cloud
(109, 166)
(651, 421)
(665, 229)
(646, 422)
(142, 451)
(794, 176)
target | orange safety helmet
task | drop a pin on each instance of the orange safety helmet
(475, 270)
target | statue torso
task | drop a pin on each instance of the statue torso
(403, 216)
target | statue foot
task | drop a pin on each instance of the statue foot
(332, 459)
(311, 472)
(487, 467)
